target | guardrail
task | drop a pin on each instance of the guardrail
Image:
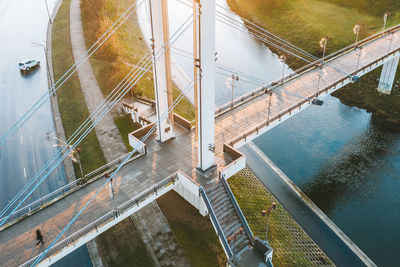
(238, 210)
(298, 105)
(64, 190)
(215, 223)
(275, 84)
(108, 217)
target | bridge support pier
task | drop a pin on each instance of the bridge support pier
(161, 67)
(387, 76)
(204, 70)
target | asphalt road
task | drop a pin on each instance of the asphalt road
(23, 22)
(316, 228)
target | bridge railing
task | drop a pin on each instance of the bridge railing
(108, 217)
(64, 190)
(276, 84)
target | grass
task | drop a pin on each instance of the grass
(125, 126)
(71, 102)
(122, 51)
(194, 232)
(292, 246)
(121, 246)
(305, 22)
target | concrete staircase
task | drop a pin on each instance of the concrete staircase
(227, 216)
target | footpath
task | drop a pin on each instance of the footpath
(337, 246)
(153, 227)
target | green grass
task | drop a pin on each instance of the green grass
(124, 49)
(121, 246)
(305, 22)
(292, 246)
(193, 231)
(125, 126)
(71, 102)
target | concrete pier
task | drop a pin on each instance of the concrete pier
(387, 76)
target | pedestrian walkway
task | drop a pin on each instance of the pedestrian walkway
(110, 140)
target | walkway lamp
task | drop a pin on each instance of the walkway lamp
(356, 31)
(267, 212)
(385, 17)
(282, 59)
(71, 155)
(230, 83)
(322, 44)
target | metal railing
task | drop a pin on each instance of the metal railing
(238, 210)
(269, 263)
(108, 217)
(215, 222)
(276, 84)
(62, 191)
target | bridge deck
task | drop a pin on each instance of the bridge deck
(17, 243)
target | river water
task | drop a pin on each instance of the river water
(339, 156)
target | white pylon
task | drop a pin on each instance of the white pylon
(204, 62)
(161, 66)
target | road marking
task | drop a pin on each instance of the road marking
(21, 139)
(24, 172)
(19, 92)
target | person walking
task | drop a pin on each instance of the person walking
(39, 237)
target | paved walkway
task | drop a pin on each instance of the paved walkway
(158, 237)
(107, 132)
(325, 233)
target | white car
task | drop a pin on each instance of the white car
(29, 64)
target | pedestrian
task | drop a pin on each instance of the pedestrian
(39, 237)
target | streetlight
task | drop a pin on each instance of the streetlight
(356, 31)
(385, 17)
(267, 212)
(322, 44)
(47, 62)
(71, 155)
(48, 12)
(233, 237)
(230, 82)
(282, 59)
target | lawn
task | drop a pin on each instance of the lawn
(305, 22)
(122, 246)
(292, 246)
(194, 232)
(71, 102)
(122, 51)
(125, 126)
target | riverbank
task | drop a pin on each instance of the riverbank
(305, 22)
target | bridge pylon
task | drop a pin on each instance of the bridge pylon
(387, 76)
(161, 67)
(204, 74)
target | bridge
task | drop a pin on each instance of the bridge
(177, 157)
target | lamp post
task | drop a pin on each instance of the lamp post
(233, 238)
(356, 31)
(47, 62)
(72, 157)
(322, 44)
(282, 59)
(230, 82)
(267, 212)
(385, 17)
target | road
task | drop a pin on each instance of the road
(23, 22)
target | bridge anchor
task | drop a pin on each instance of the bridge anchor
(387, 76)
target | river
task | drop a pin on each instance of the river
(339, 156)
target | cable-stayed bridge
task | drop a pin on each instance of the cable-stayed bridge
(183, 159)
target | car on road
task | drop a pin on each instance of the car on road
(27, 65)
